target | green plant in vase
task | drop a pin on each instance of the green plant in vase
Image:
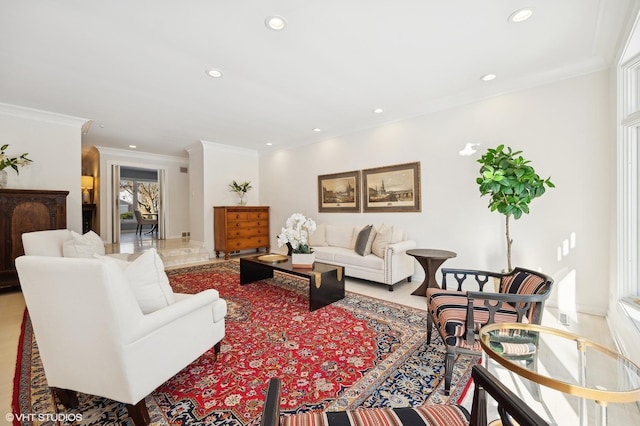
(13, 162)
(511, 183)
(241, 189)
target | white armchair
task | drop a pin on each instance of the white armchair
(94, 338)
(52, 242)
(45, 243)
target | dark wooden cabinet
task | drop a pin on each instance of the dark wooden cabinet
(238, 228)
(26, 210)
(88, 217)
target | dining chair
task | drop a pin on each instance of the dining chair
(142, 221)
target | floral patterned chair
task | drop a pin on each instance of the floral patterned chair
(459, 314)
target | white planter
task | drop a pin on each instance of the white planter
(303, 260)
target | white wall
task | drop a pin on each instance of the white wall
(562, 129)
(177, 202)
(216, 166)
(53, 142)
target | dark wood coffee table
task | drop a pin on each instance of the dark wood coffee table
(326, 282)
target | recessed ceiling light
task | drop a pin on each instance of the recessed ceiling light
(316, 129)
(378, 111)
(132, 146)
(275, 23)
(521, 15)
(268, 144)
(214, 72)
(488, 77)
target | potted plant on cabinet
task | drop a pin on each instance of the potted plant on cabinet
(241, 189)
(511, 183)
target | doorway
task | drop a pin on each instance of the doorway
(136, 188)
(139, 190)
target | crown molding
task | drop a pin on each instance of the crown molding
(229, 148)
(138, 155)
(45, 116)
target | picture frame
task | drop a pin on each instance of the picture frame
(392, 188)
(339, 192)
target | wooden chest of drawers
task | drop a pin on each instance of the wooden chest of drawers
(238, 228)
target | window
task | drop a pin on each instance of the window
(629, 180)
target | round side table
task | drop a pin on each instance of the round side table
(430, 260)
(599, 374)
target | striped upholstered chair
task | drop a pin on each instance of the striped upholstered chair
(459, 314)
(510, 408)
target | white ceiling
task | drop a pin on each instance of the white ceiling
(137, 68)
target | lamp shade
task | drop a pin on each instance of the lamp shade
(87, 182)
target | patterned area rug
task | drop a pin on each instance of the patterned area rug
(358, 352)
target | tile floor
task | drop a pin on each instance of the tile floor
(562, 410)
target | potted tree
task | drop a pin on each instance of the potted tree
(511, 183)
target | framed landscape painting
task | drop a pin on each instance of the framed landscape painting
(392, 188)
(339, 192)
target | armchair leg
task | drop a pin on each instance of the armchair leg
(429, 328)
(139, 413)
(448, 370)
(67, 397)
(216, 348)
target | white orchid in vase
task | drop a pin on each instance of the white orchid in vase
(297, 232)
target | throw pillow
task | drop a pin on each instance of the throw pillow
(372, 236)
(361, 241)
(382, 240)
(397, 236)
(86, 245)
(148, 280)
(339, 236)
(318, 238)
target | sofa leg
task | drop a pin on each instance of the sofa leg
(390, 287)
(139, 413)
(67, 397)
(408, 279)
(216, 348)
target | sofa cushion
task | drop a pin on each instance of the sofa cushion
(325, 252)
(364, 241)
(318, 237)
(86, 245)
(382, 240)
(148, 280)
(351, 258)
(339, 236)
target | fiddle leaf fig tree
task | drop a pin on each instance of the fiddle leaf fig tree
(511, 183)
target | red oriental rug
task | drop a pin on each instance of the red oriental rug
(358, 352)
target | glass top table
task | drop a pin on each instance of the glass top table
(592, 372)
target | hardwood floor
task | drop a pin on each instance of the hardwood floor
(556, 405)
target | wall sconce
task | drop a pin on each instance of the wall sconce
(87, 184)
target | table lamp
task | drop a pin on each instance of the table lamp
(87, 184)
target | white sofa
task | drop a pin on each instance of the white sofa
(388, 263)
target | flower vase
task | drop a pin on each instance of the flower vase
(3, 178)
(303, 260)
(241, 200)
